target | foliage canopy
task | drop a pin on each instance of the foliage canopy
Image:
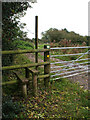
(55, 35)
(11, 28)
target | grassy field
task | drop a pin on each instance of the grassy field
(62, 99)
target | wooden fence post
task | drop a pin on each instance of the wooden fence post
(46, 67)
(34, 81)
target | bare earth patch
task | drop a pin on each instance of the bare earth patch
(81, 79)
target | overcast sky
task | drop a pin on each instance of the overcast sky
(60, 14)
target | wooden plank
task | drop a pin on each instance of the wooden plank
(20, 77)
(23, 83)
(9, 82)
(33, 70)
(23, 66)
(43, 76)
(23, 51)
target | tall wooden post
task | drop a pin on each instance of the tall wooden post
(36, 39)
(46, 67)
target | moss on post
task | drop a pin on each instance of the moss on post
(34, 81)
(24, 90)
(46, 67)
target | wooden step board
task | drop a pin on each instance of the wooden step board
(23, 81)
(21, 78)
(35, 77)
(33, 71)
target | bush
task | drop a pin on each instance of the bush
(10, 109)
(23, 44)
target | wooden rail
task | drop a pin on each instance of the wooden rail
(27, 68)
(23, 51)
(35, 76)
(23, 66)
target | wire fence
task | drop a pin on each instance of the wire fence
(64, 68)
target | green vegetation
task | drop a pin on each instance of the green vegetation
(12, 26)
(63, 37)
(20, 44)
(10, 109)
(62, 99)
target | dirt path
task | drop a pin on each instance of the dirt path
(81, 79)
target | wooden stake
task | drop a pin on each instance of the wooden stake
(36, 39)
(34, 80)
(24, 89)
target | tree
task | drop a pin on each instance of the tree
(51, 35)
(11, 28)
(55, 35)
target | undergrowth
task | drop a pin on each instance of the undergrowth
(62, 99)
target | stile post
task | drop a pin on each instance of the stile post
(34, 80)
(24, 89)
(26, 72)
(46, 67)
(36, 40)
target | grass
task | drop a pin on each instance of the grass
(62, 99)
(20, 44)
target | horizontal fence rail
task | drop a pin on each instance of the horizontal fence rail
(70, 65)
(23, 66)
(73, 68)
(68, 72)
(68, 54)
(68, 61)
(65, 69)
(34, 71)
(61, 48)
(71, 75)
(23, 51)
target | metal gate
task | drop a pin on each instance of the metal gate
(63, 68)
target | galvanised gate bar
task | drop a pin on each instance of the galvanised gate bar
(65, 69)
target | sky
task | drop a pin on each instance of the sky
(60, 14)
